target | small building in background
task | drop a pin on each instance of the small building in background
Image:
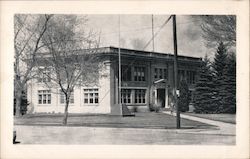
(147, 78)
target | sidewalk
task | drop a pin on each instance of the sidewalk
(223, 128)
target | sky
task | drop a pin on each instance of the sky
(189, 35)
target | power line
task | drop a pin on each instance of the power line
(125, 71)
(156, 33)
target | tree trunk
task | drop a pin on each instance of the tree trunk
(18, 102)
(65, 118)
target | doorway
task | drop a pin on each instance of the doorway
(161, 95)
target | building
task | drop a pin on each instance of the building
(147, 78)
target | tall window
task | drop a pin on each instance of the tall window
(192, 77)
(44, 97)
(156, 73)
(140, 96)
(126, 73)
(63, 100)
(139, 73)
(126, 95)
(91, 96)
(160, 73)
(181, 75)
(44, 76)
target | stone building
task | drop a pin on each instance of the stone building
(147, 78)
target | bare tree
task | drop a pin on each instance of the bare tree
(71, 56)
(218, 28)
(28, 32)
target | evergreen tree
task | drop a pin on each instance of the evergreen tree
(228, 87)
(184, 98)
(203, 94)
(219, 65)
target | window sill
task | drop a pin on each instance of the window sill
(40, 105)
(90, 105)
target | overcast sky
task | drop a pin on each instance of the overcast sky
(189, 35)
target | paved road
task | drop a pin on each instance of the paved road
(123, 136)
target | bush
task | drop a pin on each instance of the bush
(135, 109)
(185, 96)
(155, 107)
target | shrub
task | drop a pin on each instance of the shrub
(184, 98)
(135, 109)
(155, 107)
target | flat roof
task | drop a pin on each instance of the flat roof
(134, 53)
(139, 53)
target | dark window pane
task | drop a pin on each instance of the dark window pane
(96, 100)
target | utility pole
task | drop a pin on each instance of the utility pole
(178, 122)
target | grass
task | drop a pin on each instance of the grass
(141, 120)
(227, 118)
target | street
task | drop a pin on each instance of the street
(119, 136)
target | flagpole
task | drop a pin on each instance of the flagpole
(153, 42)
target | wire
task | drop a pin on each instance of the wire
(157, 33)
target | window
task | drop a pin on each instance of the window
(161, 73)
(192, 77)
(181, 75)
(44, 76)
(139, 73)
(165, 73)
(126, 96)
(126, 73)
(44, 97)
(140, 96)
(156, 73)
(91, 96)
(62, 97)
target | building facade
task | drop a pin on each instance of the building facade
(146, 78)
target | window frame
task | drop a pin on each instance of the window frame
(128, 95)
(140, 96)
(160, 73)
(128, 76)
(48, 97)
(139, 74)
(95, 92)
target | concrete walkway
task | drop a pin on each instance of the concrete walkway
(222, 127)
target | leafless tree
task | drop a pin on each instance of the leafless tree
(28, 32)
(71, 56)
(218, 28)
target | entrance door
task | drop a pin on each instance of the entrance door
(161, 97)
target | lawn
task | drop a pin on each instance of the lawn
(141, 120)
(227, 118)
